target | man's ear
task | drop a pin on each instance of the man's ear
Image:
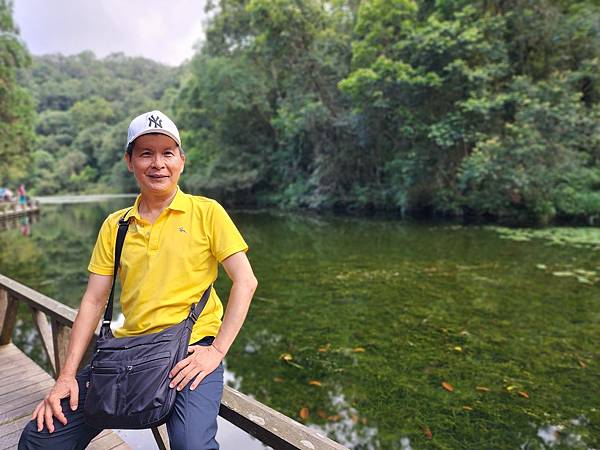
(128, 161)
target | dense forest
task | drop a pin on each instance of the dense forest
(474, 109)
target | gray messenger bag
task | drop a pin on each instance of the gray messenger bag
(129, 381)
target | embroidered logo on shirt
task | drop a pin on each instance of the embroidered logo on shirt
(182, 230)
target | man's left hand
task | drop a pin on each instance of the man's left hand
(201, 362)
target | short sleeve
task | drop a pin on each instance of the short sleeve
(225, 238)
(102, 261)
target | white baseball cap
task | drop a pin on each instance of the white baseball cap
(152, 122)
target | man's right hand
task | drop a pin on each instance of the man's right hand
(66, 386)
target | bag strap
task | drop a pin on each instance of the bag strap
(121, 233)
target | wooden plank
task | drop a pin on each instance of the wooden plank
(269, 426)
(9, 349)
(8, 315)
(161, 437)
(105, 441)
(26, 382)
(45, 386)
(10, 441)
(43, 326)
(61, 334)
(13, 426)
(25, 375)
(61, 312)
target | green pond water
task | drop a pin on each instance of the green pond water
(385, 334)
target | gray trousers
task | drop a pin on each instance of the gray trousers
(192, 424)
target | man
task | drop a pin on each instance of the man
(170, 256)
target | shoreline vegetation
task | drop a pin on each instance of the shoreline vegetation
(484, 111)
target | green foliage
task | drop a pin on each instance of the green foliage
(84, 107)
(16, 108)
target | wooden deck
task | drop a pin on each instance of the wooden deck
(14, 211)
(23, 385)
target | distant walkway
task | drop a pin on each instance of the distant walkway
(60, 199)
(25, 384)
(14, 210)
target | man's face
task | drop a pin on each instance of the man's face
(156, 163)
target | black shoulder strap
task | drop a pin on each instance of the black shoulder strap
(123, 226)
(197, 309)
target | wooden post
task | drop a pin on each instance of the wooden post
(8, 314)
(60, 339)
(43, 327)
(161, 437)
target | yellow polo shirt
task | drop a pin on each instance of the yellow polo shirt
(167, 265)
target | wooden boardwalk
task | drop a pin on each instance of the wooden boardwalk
(23, 385)
(16, 211)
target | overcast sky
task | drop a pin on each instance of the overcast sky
(165, 31)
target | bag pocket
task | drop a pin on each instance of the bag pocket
(103, 391)
(147, 383)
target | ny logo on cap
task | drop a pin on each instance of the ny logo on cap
(157, 121)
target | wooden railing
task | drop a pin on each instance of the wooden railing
(9, 210)
(54, 320)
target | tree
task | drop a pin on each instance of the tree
(16, 107)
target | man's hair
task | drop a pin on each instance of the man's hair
(129, 148)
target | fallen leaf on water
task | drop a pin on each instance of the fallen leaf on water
(286, 357)
(355, 418)
(447, 386)
(427, 432)
(314, 383)
(482, 388)
(511, 388)
(541, 266)
(322, 414)
(563, 274)
(334, 418)
(467, 408)
(358, 350)
(325, 347)
(304, 413)
(458, 348)
(523, 394)
(582, 364)
(278, 379)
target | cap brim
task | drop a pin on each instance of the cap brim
(154, 131)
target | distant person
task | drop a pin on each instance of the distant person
(171, 254)
(22, 196)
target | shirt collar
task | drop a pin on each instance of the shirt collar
(177, 204)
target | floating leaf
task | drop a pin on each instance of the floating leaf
(541, 266)
(467, 408)
(286, 357)
(523, 394)
(563, 274)
(278, 379)
(458, 348)
(584, 280)
(325, 347)
(354, 418)
(511, 388)
(582, 364)
(447, 386)
(427, 432)
(483, 388)
(334, 418)
(322, 414)
(314, 383)
(358, 350)
(304, 413)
